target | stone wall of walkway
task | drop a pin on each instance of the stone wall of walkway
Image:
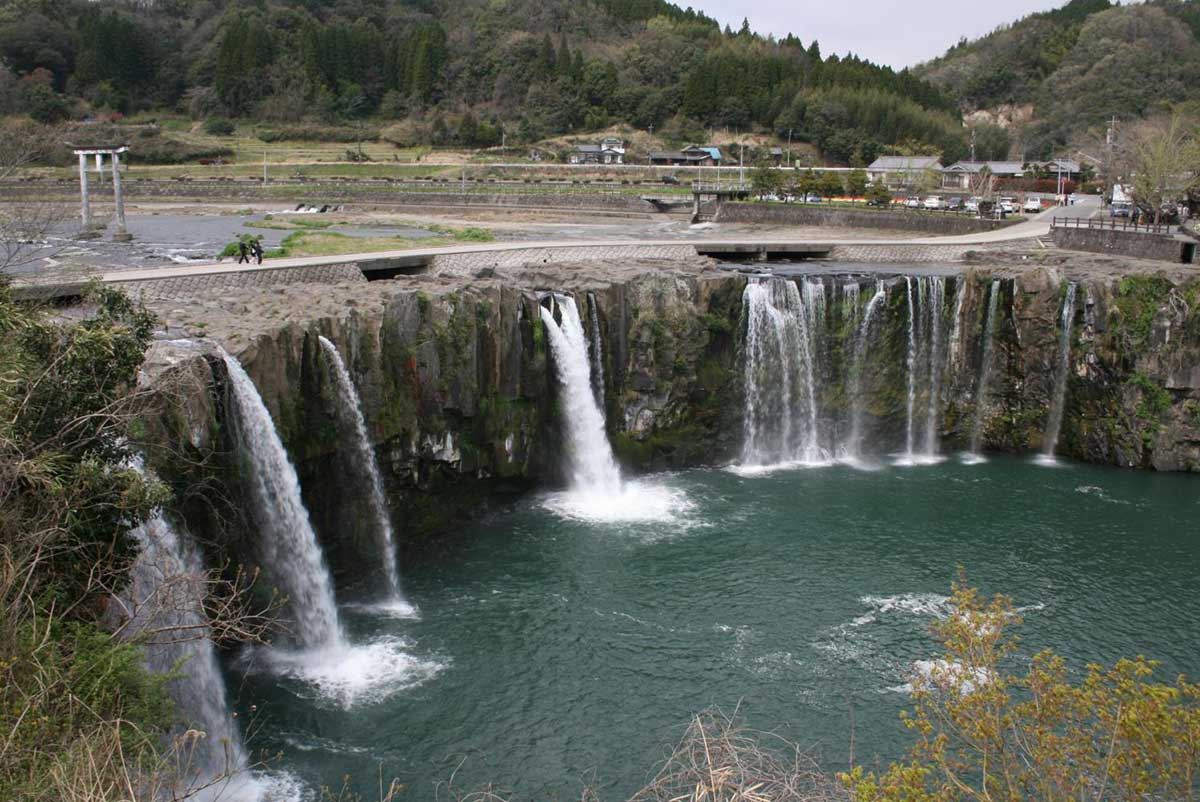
(1123, 243)
(798, 214)
(189, 285)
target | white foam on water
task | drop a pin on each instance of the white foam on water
(778, 467)
(352, 676)
(631, 502)
(860, 463)
(257, 786)
(917, 460)
(913, 603)
(389, 608)
(1047, 461)
(968, 458)
(1098, 492)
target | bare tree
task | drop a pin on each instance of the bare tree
(1164, 153)
(26, 223)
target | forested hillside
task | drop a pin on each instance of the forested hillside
(462, 72)
(1077, 66)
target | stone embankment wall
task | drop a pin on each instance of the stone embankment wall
(460, 398)
(1125, 243)
(798, 214)
(365, 192)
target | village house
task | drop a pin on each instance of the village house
(960, 174)
(898, 171)
(610, 151)
(691, 156)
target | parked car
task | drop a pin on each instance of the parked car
(913, 203)
(972, 205)
(812, 197)
(1032, 206)
(879, 201)
(955, 204)
(1121, 209)
(1008, 205)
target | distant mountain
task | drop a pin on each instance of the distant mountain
(1060, 74)
(461, 71)
(473, 72)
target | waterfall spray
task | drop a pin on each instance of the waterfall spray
(852, 448)
(781, 418)
(165, 602)
(597, 492)
(937, 294)
(985, 368)
(596, 350)
(289, 545)
(1061, 376)
(350, 409)
(912, 369)
(591, 465)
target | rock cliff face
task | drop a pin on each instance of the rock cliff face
(457, 386)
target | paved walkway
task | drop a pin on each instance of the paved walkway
(1037, 226)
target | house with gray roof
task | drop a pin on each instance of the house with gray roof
(610, 151)
(959, 174)
(901, 170)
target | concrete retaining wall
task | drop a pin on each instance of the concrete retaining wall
(1125, 243)
(802, 215)
(357, 192)
(188, 285)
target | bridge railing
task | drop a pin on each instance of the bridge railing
(722, 187)
(1113, 224)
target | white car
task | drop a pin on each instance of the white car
(972, 205)
(913, 203)
(934, 202)
(1032, 206)
(1008, 205)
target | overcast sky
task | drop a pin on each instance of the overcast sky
(896, 32)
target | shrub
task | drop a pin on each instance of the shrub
(985, 734)
(219, 126)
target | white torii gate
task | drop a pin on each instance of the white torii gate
(114, 155)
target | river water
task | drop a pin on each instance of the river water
(551, 652)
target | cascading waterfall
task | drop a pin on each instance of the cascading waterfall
(960, 294)
(350, 408)
(592, 467)
(852, 448)
(936, 302)
(289, 545)
(912, 369)
(596, 350)
(165, 602)
(985, 368)
(780, 422)
(1061, 376)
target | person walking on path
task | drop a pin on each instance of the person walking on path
(243, 253)
(256, 248)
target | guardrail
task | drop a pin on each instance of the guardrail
(1113, 224)
(699, 186)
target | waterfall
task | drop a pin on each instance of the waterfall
(985, 368)
(1061, 376)
(912, 369)
(780, 422)
(937, 294)
(289, 545)
(592, 467)
(960, 294)
(852, 448)
(596, 350)
(165, 602)
(350, 408)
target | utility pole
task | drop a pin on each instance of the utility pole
(264, 168)
(789, 160)
(972, 143)
(741, 164)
